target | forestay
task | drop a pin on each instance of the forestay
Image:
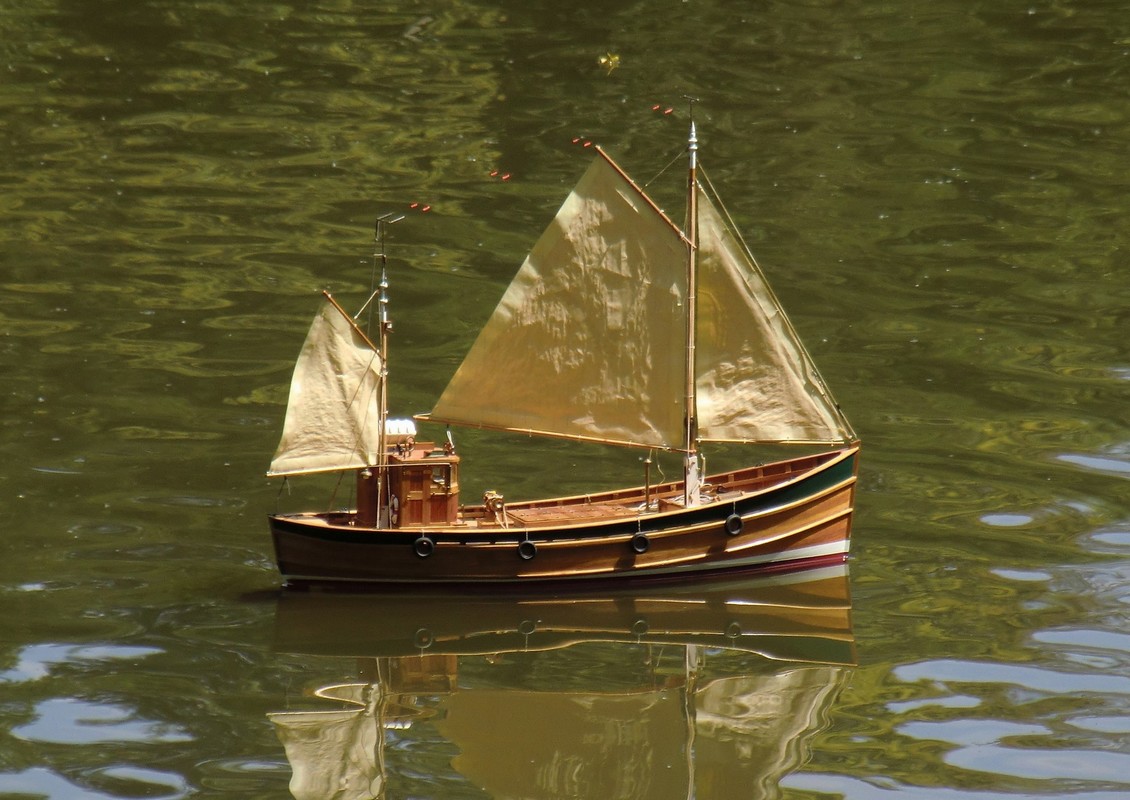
(333, 414)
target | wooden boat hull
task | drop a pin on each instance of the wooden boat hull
(787, 515)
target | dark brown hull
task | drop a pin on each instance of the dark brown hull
(787, 515)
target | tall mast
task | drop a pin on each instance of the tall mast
(691, 477)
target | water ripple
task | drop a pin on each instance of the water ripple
(1076, 765)
(880, 788)
(68, 720)
(37, 661)
(1048, 681)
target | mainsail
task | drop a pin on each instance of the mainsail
(333, 415)
(588, 342)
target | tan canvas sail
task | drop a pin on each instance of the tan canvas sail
(335, 755)
(332, 417)
(587, 342)
(755, 381)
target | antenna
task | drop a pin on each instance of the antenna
(380, 233)
(691, 100)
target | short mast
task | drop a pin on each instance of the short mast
(384, 327)
(691, 478)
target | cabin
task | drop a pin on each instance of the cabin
(422, 490)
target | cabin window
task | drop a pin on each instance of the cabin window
(440, 476)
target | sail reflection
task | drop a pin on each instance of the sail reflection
(679, 692)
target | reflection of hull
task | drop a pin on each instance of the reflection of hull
(682, 693)
(802, 616)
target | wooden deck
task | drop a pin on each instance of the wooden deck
(553, 515)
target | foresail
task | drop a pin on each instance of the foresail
(587, 341)
(755, 380)
(332, 417)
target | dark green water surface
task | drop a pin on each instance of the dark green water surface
(937, 190)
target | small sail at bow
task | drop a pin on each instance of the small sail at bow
(333, 415)
(755, 381)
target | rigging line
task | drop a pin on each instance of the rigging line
(285, 486)
(361, 310)
(333, 495)
(358, 443)
(729, 220)
(678, 155)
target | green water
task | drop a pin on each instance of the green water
(936, 191)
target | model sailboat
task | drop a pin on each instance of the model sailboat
(620, 328)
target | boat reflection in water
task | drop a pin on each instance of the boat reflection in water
(685, 692)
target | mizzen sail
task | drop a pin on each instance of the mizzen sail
(333, 415)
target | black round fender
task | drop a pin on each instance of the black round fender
(423, 639)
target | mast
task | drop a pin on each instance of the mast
(691, 478)
(385, 326)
